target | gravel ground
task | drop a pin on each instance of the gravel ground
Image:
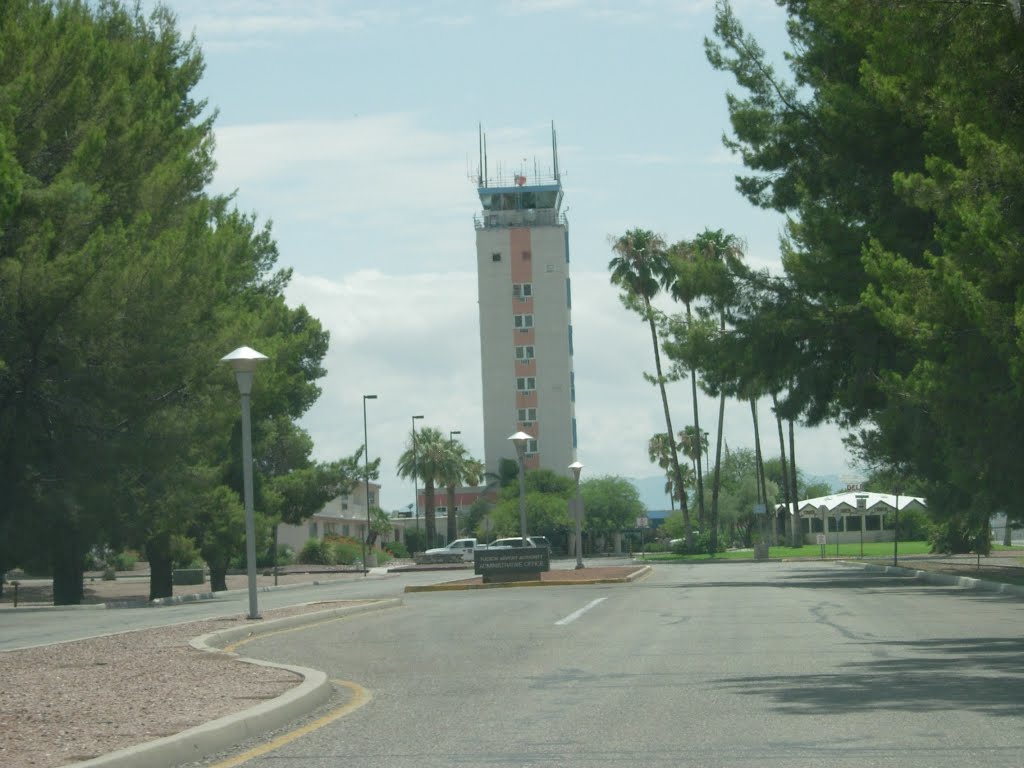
(75, 701)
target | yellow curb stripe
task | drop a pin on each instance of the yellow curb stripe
(360, 697)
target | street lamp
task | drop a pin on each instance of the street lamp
(415, 479)
(453, 432)
(520, 439)
(823, 510)
(896, 530)
(862, 507)
(366, 478)
(244, 361)
(576, 468)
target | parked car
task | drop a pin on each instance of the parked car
(464, 547)
(517, 541)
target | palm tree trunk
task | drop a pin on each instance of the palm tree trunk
(668, 425)
(794, 521)
(759, 459)
(430, 521)
(696, 425)
(453, 523)
(716, 482)
(792, 469)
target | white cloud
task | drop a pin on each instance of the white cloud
(414, 342)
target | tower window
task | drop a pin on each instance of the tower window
(522, 290)
(524, 321)
(495, 256)
(526, 383)
(526, 255)
(524, 352)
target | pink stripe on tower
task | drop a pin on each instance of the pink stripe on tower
(522, 261)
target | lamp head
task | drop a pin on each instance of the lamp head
(576, 468)
(520, 439)
(244, 359)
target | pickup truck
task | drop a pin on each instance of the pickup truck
(464, 547)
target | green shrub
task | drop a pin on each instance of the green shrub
(184, 552)
(415, 540)
(346, 550)
(397, 549)
(958, 536)
(316, 552)
(701, 545)
(285, 554)
(123, 561)
(383, 556)
(915, 525)
(95, 559)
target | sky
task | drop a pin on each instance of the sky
(353, 128)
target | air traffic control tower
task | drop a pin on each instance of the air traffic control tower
(525, 298)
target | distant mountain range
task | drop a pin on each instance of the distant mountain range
(652, 489)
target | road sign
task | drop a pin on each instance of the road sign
(760, 509)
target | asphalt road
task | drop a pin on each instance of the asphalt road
(24, 628)
(766, 664)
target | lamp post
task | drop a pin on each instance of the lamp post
(520, 439)
(450, 434)
(576, 468)
(823, 510)
(862, 506)
(896, 530)
(366, 478)
(415, 479)
(244, 361)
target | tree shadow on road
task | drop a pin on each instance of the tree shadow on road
(981, 675)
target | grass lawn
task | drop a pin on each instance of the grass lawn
(878, 549)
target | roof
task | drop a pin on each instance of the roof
(875, 503)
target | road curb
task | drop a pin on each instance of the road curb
(946, 579)
(225, 732)
(640, 572)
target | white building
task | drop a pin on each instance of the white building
(525, 298)
(341, 516)
(853, 515)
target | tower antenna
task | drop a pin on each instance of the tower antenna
(554, 150)
(480, 164)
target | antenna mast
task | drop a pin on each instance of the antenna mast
(554, 151)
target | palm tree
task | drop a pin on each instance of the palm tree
(693, 448)
(426, 461)
(684, 281)
(637, 268)
(717, 259)
(659, 453)
(459, 468)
